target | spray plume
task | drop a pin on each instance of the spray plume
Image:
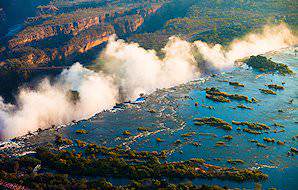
(128, 69)
(269, 39)
(138, 70)
(49, 104)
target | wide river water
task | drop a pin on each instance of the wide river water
(169, 113)
(174, 111)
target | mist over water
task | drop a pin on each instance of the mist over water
(49, 104)
(270, 38)
(137, 70)
(128, 71)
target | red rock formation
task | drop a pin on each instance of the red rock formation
(124, 21)
(74, 32)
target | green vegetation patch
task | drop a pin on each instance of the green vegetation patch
(216, 92)
(244, 107)
(126, 133)
(295, 150)
(280, 142)
(236, 84)
(213, 122)
(217, 98)
(143, 129)
(266, 65)
(62, 141)
(266, 91)
(275, 86)
(261, 145)
(188, 134)
(228, 137)
(257, 126)
(236, 161)
(64, 165)
(266, 139)
(252, 131)
(81, 131)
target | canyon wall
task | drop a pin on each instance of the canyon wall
(59, 38)
(63, 32)
(125, 22)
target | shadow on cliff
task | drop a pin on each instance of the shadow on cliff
(173, 9)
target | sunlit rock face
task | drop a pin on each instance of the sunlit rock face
(81, 30)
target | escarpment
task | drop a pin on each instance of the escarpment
(36, 33)
(63, 32)
(60, 35)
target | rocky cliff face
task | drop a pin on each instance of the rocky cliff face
(88, 39)
(125, 25)
(60, 36)
(124, 22)
(37, 33)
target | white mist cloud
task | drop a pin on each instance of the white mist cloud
(269, 39)
(137, 70)
(97, 91)
(49, 104)
(128, 71)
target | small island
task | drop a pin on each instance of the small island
(267, 65)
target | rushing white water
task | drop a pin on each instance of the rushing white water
(128, 69)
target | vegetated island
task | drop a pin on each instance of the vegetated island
(267, 65)
(77, 168)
